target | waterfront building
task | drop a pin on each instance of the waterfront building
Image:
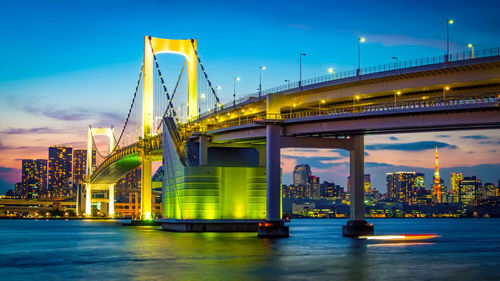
(301, 174)
(80, 164)
(34, 178)
(424, 196)
(454, 181)
(490, 191)
(420, 180)
(60, 171)
(313, 187)
(18, 188)
(401, 187)
(128, 184)
(470, 191)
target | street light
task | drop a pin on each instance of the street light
(260, 79)
(217, 89)
(448, 22)
(300, 69)
(398, 93)
(332, 71)
(355, 99)
(472, 50)
(444, 92)
(234, 91)
(397, 61)
(319, 105)
(360, 40)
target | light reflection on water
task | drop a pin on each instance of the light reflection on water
(45, 250)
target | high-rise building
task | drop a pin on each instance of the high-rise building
(80, 164)
(18, 189)
(401, 187)
(34, 178)
(419, 180)
(129, 183)
(60, 171)
(436, 188)
(490, 190)
(301, 174)
(470, 191)
(455, 191)
(313, 187)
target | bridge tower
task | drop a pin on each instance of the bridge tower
(152, 45)
(109, 132)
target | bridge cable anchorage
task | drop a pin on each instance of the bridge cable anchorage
(162, 80)
(117, 143)
(206, 76)
(170, 105)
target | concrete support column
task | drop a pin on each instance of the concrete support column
(357, 226)
(146, 176)
(88, 198)
(111, 204)
(203, 150)
(357, 167)
(273, 169)
(274, 226)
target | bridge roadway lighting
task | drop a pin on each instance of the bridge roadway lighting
(397, 61)
(448, 23)
(332, 71)
(234, 91)
(360, 40)
(319, 105)
(300, 69)
(444, 91)
(260, 79)
(398, 93)
(472, 50)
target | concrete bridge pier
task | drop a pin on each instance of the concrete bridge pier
(357, 225)
(273, 226)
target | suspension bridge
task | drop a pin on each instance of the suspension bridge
(221, 162)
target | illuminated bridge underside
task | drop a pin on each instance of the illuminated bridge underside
(466, 117)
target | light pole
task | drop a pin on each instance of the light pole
(444, 92)
(398, 93)
(472, 50)
(260, 79)
(332, 71)
(360, 40)
(234, 90)
(448, 22)
(300, 69)
(397, 61)
(217, 89)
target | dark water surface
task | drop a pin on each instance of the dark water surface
(468, 249)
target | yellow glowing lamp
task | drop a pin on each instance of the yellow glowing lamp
(398, 93)
(357, 97)
(330, 70)
(323, 101)
(361, 39)
(447, 88)
(450, 21)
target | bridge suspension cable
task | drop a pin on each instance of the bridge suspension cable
(117, 143)
(214, 93)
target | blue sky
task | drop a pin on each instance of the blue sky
(66, 64)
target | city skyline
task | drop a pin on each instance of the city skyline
(82, 77)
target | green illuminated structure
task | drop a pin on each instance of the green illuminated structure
(231, 185)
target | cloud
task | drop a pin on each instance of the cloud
(375, 164)
(313, 152)
(20, 131)
(443, 136)
(485, 142)
(391, 40)
(475, 137)
(393, 138)
(412, 146)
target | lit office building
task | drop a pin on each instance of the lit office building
(60, 171)
(455, 191)
(470, 191)
(34, 178)
(490, 191)
(301, 174)
(313, 187)
(80, 164)
(401, 187)
(420, 180)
